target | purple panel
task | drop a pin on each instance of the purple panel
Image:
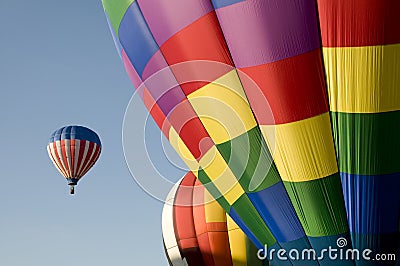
(165, 18)
(132, 73)
(264, 31)
(161, 83)
(156, 63)
(170, 100)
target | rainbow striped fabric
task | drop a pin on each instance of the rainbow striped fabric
(196, 230)
(361, 49)
(239, 89)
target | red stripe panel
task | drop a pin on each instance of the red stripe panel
(93, 159)
(213, 236)
(198, 208)
(346, 23)
(184, 222)
(294, 88)
(56, 159)
(189, 243)
(215, 244)
(201, 225)
(219, 242)
(217, 227)
(86, 160)
(189, 127)
(156, 113)
(80, 156)
(201, 40)
(64, 158)
(72, 151)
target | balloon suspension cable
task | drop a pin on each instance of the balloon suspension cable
(71, 189)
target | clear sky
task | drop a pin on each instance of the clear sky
(59, 66)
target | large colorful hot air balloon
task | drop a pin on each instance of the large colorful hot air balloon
(74, 150)
(361, 48)
(197, 231)
(239, 89)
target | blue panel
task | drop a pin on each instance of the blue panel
(274, 260)
(299, 245)
(372, 203)
(245, 229)
(115, 38)
(52, 137)
(326, 242)
(278, 213)
(75, 132)
(257, 243)
(136, 38)
(222, 3)
(379, 244)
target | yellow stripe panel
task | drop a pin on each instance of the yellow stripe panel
(221, 175)
(213, 211)
(237, 242)
(304, 149)
(363, 79)
(223, 108)
(182, 150)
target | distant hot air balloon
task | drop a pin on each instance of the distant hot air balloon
(74, 150)
(239, 89)
(197, 231)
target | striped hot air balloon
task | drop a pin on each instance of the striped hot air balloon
(197, 231)
(184, 60)
(361, 48)
(239, 88)
(74, 150)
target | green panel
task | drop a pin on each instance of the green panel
(319, 205)
(249, 215)
(213, 190)
(116, 11)
(244, 208)
(367, 144)
(251, 254)
(250, 160)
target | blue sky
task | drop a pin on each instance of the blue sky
(59, 66)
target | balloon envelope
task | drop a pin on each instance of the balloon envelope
(362, 63)
(197, 231)
(73, 151)
(239, 88)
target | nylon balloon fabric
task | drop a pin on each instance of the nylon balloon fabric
(197, 231)
(283, 57)
(361, 48)
(245, 93)
(182, 103)
(74, 150)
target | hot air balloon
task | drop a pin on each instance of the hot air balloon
(239, 89)
(197, 231)
(361, 49)
(74, 150)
